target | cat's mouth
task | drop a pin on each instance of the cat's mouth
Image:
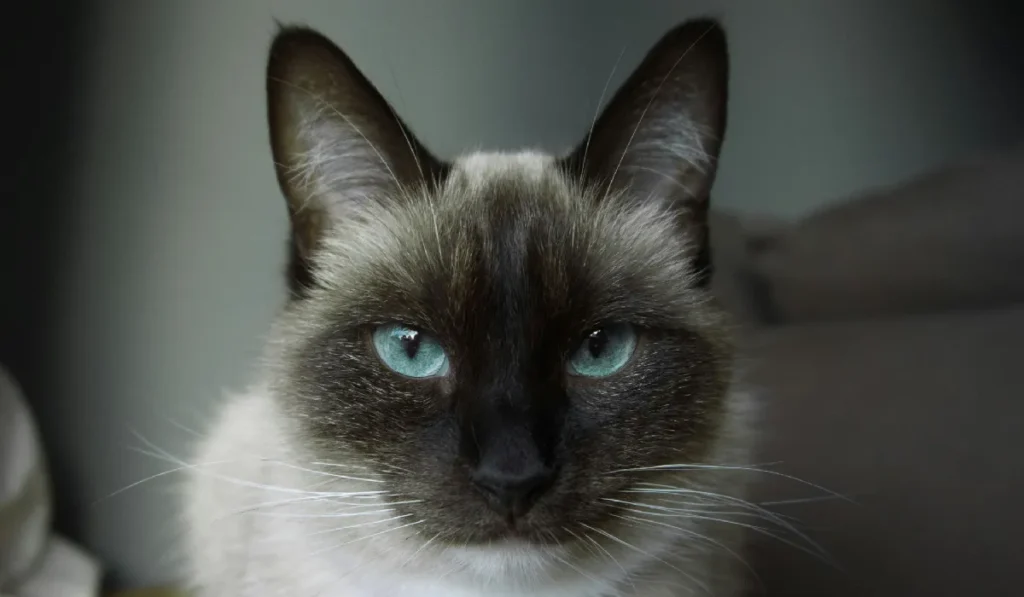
(548, 526)
(520, 532)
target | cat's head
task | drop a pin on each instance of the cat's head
(501, 339)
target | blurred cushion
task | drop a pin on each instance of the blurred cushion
(734, 286)
(25, 507)
(920, 420)
(950, 239)
(65, 570)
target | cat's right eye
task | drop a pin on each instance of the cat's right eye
(410, 352)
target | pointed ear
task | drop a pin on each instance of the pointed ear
(659, 137)
(337, 143)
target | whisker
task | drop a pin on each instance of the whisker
(182, 427)
(649, 555)
(814, 550)
(597, 112)
(315, 497)
(135, 484)
(163, 454)
(420, 549)
(767, 514)
(333, 475)
(582, 543)
(358, 525)
(401, 125)
(338, 464)
(380, 465)
(275, 503)
(349, 509)
(710, 499)
(365, 537)
(670, 510)
(726, 467)
(341, 514)
(806, 500)
(574, 568)
(627, 575)
(764, 514)
(700, 537)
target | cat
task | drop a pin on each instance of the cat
(503, 375)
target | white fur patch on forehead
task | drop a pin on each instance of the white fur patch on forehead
(476, 169)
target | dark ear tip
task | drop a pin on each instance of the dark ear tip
(291, 36)
(703, 34)
(292, 41)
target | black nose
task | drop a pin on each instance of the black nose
(512, 494)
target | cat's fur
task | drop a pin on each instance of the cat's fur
(332, 476)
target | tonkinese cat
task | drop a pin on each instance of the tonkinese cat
(499, 376)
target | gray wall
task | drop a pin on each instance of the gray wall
(176, 231)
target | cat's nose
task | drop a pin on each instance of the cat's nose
(512, 494)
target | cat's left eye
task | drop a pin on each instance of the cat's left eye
(410, 352)
(604, 351)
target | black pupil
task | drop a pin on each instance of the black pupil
(597, 342)
(411, 343)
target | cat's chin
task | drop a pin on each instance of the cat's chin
(509, 559)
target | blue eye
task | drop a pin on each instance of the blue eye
(410, 352)
(604, 351)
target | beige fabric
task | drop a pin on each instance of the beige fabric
(921, 421)
(25, 507)
(64, 570)
(951, 239)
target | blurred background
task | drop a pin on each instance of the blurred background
(142, 233)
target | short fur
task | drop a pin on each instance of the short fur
(334, 476)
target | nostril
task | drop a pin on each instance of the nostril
(510, 493)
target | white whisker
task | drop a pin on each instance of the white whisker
(649, 555)
(371, 536)
(420, 549)
(574, 568)
(726, 467)
(178, 469)
(338, 464)
(349, 509)
(597, 112)
(698, 536)
(626, 573)
(766, 514)
(401, 126)
(163, 454)
(340, 514)
(672, 511)
(358, 525)
(333, 475)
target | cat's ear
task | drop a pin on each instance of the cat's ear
(659, 137)
(337, 143)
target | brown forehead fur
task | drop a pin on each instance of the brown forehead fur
(412, 259)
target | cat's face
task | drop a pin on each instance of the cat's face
(499, 340)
